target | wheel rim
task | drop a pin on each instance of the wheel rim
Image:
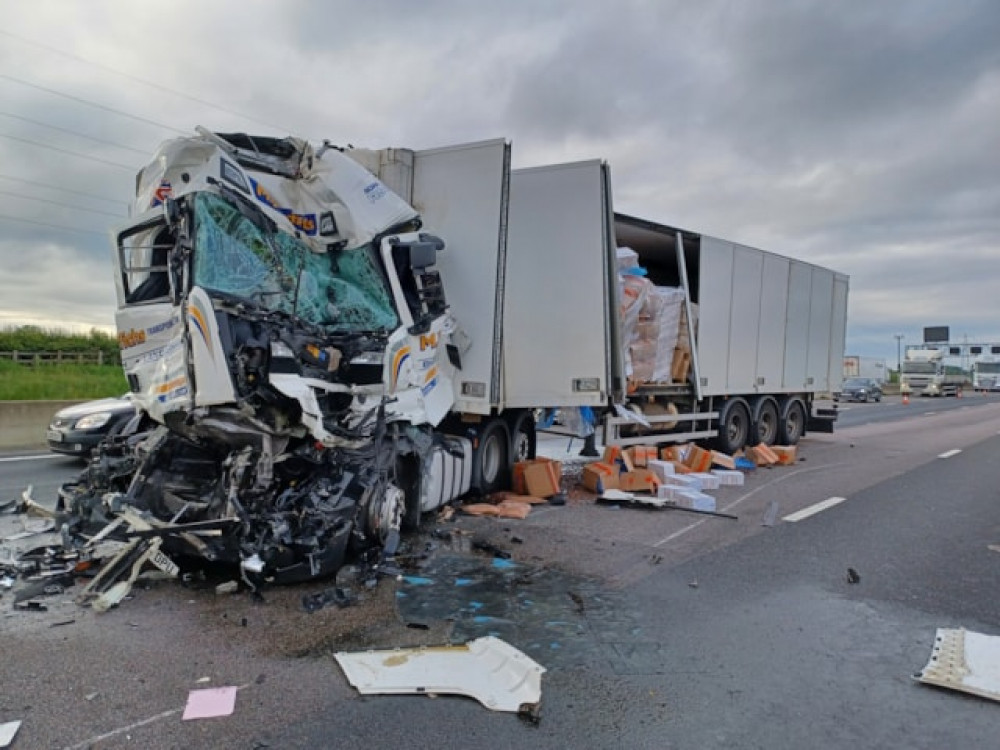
(793, 423)
(522, 445)
(736, 427)
(767, 423)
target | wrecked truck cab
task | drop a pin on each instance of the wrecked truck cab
(281, 320)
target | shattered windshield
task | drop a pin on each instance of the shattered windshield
(344, 291)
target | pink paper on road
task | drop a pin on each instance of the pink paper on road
(210, 703)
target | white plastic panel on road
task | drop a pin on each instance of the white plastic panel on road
(965, 661)
(487, 669)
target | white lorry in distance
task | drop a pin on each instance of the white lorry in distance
(986, 372)
(328, 342)
(925, 372)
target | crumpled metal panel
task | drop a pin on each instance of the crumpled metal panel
(965, 661)
(488, 669)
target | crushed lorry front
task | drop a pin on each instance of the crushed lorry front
(286, 336)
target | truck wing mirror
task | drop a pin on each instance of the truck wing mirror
(424, 253)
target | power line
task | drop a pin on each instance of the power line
(143, 81)
(91, 104)
(64, 205)
(67, 151)
(52, 226)
(63, 189)
(73, 132)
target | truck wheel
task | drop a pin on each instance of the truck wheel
(523, 440)
(792, 424)
(734, 426)
(765, 422)
(492, 467)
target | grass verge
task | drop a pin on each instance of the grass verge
(60, 381)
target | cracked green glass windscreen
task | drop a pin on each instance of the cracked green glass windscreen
(233, 255)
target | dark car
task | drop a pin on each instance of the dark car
(861, 389)
(75, 430)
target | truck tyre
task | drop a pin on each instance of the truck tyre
(523, 440)
(734, 426)
(765, 422)
(792, 424)
(492, 465)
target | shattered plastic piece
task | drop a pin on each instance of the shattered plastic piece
(210, 703)
(965, 661)
(338, 595)
(487, 669)
(112, 597)
(229, 587)
(7, 732)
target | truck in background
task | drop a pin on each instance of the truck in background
(856, 366)
(986, 372)
(327, 343)
(926, 373)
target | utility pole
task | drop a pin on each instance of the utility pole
(899, 358)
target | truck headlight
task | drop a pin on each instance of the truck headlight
(92, 421)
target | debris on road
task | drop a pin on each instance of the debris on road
(8, 731)
(210, 703)
(965, 661)
(853, 576)
(487, 669)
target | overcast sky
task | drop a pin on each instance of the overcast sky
(863, 136)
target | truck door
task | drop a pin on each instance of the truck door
(461, 193)
(560, 311)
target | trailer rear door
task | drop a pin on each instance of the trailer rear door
(558, 301)
(461, 193)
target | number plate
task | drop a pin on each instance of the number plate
(54, 435)
(164, 563)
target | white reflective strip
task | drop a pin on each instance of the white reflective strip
(814, 509)
(32, 458)
(949, 454)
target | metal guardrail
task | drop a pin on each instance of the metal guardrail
(85, 357)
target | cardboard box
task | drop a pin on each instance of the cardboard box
(685, 481)
(724, 460)
(639, 480)
(681, 468)
(542, 478)
(679, 367)
(641, 455)
(613, 454)
(662, 469)
(698, 459)
(709, 481)
(537, 474)
(600, 477)
(761, 455)
(673, 452)
(786, 454)
(729, 477)
(695, 500)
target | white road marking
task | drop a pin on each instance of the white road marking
(32, 458)
(746, 496)
(814, 509)
(949, 454)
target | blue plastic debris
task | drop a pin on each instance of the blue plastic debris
(744, 464)
(499, 562)
(418, 581)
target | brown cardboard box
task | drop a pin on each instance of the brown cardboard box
(642, 454)
(681, 468)
(722, 459)
(600, 477)
(640, 480)
(761, 455)
(520, 483)
(785, 454)
(672, 453)
(681, 364)
(698, 459)
(613, 454)
(542, 477)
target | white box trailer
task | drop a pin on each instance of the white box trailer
(531, 273)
